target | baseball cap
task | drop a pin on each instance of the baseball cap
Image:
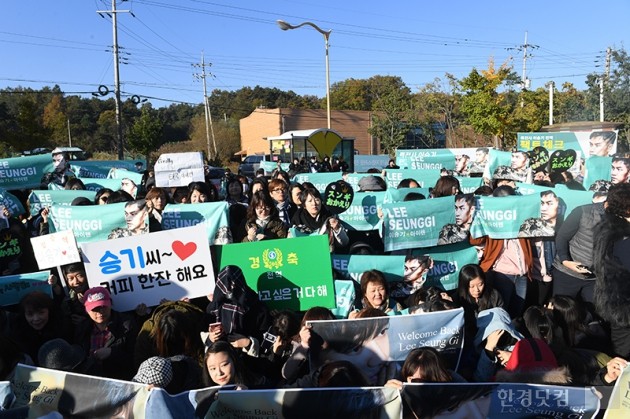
(96, 297)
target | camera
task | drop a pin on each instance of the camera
(269, 338)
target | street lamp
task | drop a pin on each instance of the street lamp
(287, 26)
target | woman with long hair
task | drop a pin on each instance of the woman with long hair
(262, 222)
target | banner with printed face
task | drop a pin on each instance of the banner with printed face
(88, 223)
(14, 287)
(619, 403)
(96, 184)
(213, 215)
(502, 217)
(11, 203)
(363, 212)
(291, 274)
(425, 178)
(24, 172)
(363, 163)
(45, 391)
(407, 225)
(589, 143)
(497, 400)
(381, 403)
(40, 199)
(353, 266)
(377, 345)
(149, 267)
(55, 249)
(447, 261)
(179, 169)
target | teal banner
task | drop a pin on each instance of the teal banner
(14, 287)
(407, 225)
(432, 159)
(363, 212)
(270, 166)
(291, 274)
(213, 214)
(125, 174)
(469, 184)
(320, 180)
(398, 195)
(11, 202)
(39, 199)
(425, 178)
(497, 158)
(101, 168)
(552, 141)
(363, 163)
(447, 261)
(24, 172)
(597, 168)
(96, 184)
(88, 224)
(345, 296)
(353, 266)
(502, 217)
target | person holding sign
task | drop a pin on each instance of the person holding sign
(61, 172)
(262, 221)
(314, 217)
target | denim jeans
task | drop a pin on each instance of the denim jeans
(513, 290)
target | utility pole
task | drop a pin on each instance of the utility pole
(551, 87)
(604, 79)
(525, 82)
(69, 135)
(206, 105)
(113, 13)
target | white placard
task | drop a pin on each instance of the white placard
(55, 249)
(178, 169)
(146, 268)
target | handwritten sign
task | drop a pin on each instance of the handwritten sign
(148, 267)
(178, 169)
(562, 160)
(539, 159)
(55, 249)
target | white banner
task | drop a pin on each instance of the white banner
(146, 268)
(178, 169)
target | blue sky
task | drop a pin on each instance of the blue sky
(44, 42)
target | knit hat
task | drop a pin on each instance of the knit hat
(505, 173)
(371, 183)
(96, 297)
(58, 354)
(531, 355)
(155, 370)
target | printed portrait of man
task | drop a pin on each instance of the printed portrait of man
(600, 143)
(464, 210)
(620, 170)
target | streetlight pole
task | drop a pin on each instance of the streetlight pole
(287, 26)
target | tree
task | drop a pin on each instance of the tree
(439, 101)
(569, 105)
(485, 108)
(393, 119)
(146, 132)
(55, 120)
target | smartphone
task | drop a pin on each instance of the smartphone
(214, 326)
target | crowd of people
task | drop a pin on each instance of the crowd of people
(539, 310)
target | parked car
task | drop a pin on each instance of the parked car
(250, 164)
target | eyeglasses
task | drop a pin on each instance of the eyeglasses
(279, 190)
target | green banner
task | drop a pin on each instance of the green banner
(469, 184)
(125, 174)
(96, 184)
(416, 223)
(398, 195)
(552, 141)
(270, 166)
(447, 261)
(287, 273)
(502, 217)
(597, 168)
(11, 202)
(320, 180)
(88, 223)
(497, 158)
(353, 266)
(213, 214)
(96, 169)
(24, 172)
(363, 213)
(423, 159)
(39, 199)
(425, 178)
